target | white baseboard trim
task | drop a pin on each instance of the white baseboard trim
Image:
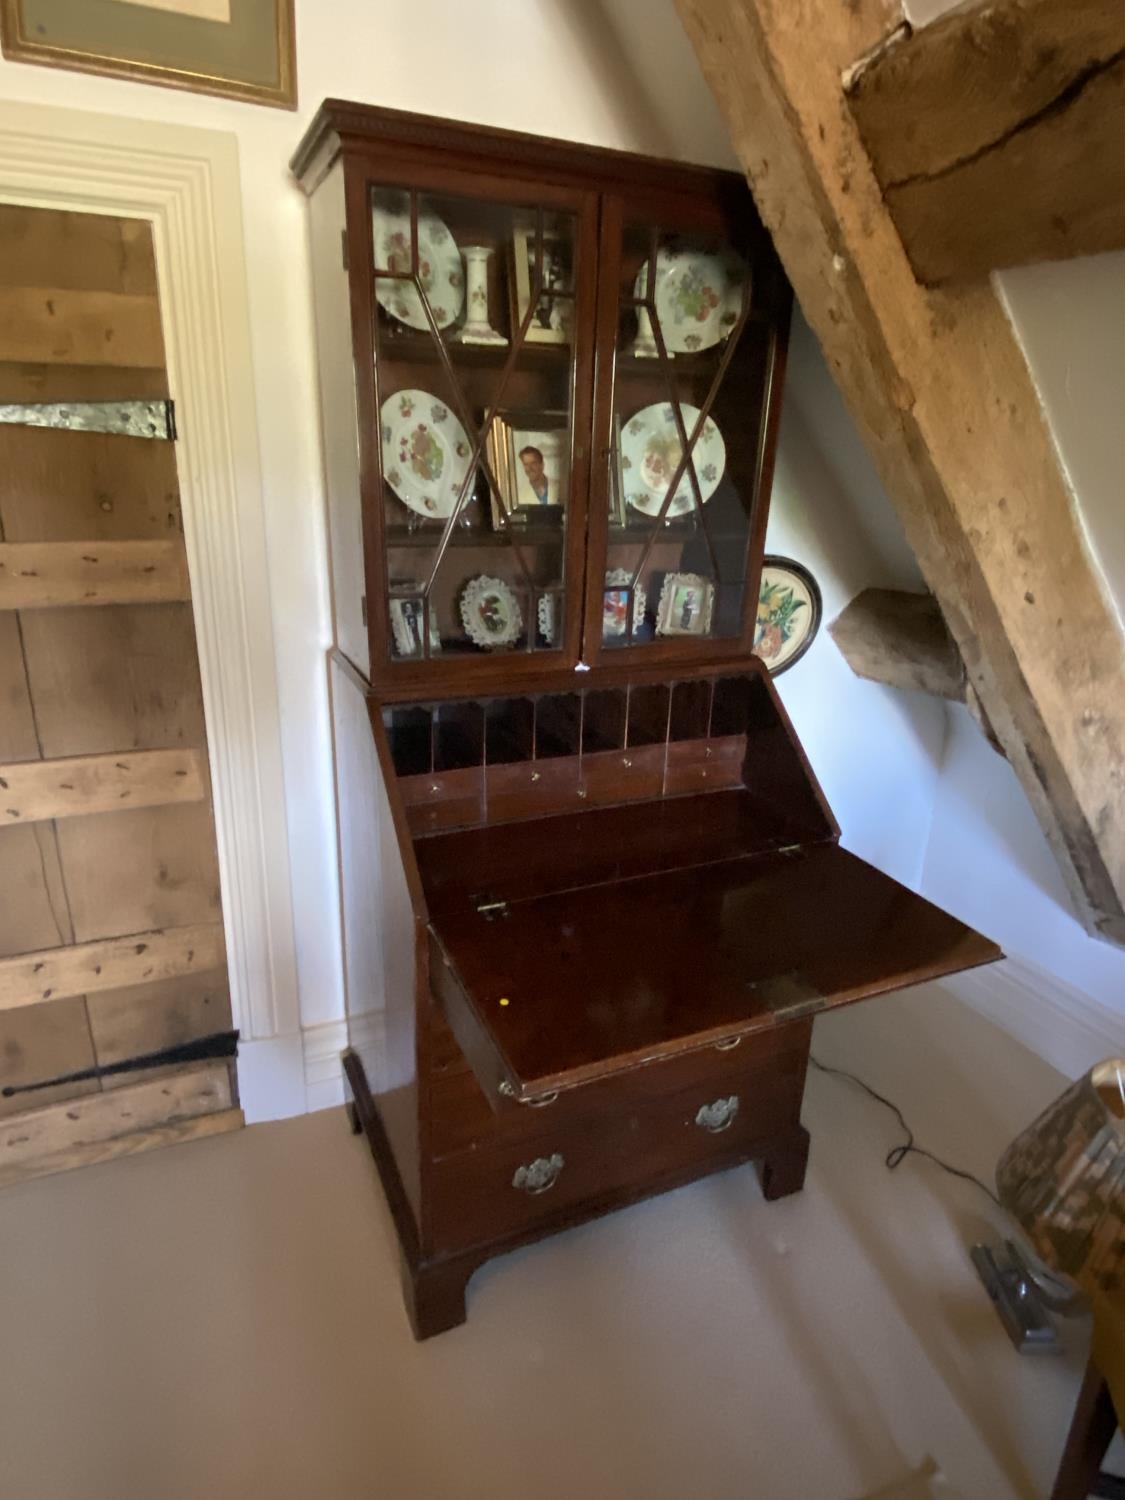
(1052, 1018)
(279, 1077)
(271, 1078)
(324, 1078)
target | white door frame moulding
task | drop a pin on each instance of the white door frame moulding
(185, 182)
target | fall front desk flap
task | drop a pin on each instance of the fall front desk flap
(597, 901)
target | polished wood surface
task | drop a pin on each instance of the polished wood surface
(592, 890)
(580, 983)
(482, 183)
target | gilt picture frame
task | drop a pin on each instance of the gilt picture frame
(240, 49)
(529, 453)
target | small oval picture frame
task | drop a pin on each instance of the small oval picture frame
(789, 613)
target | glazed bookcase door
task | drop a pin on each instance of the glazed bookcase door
(692, 321)
(481, 316)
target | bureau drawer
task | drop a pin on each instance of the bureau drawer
(463, 1118)
(510, 1186)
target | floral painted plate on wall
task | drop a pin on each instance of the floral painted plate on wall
(788, 613)
(439, 264)
(650, 455)
(425, 452)
(490, 613)
(698, 296)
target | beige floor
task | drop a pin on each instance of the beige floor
(222, 1320)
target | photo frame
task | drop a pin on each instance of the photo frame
(406, 628)
(529, 453)
(553, 318)
(241, 49)
(687, 601)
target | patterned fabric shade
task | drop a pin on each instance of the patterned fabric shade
(1063, 1181)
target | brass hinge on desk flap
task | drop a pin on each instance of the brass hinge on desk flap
(143, 419)
(490, 910)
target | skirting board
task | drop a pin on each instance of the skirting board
(282, 1076)
(1053, 1019)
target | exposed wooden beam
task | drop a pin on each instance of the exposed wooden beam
(900, 639)
(35, 1136)
(41, 575)
(56, 325)
(944, 401)
(110, 964)
(998, 134)
(35, 791)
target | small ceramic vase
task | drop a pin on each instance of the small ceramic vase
(477, 329)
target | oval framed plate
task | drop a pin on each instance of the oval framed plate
(650, 454)
(789, 611)
(490, 613)
(425, 452)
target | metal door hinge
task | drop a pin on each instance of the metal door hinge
(143, 419)
(344, 248)
(363, 608)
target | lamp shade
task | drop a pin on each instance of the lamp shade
(1063, 1181)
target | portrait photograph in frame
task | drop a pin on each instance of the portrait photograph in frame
(529, 453)
(406, 628)
(686, 603)
(242, 49)
(554, 312)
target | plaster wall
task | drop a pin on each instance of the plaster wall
(583, 70)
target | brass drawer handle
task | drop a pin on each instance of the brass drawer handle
(729, 1045)
(540, 1175)
(536, 1101)
(718, 1115)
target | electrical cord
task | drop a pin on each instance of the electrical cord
(898, 1154)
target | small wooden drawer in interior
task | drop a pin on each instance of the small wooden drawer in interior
(704, 765)
(443, 799)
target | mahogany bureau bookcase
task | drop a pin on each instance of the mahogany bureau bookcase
(592, 893)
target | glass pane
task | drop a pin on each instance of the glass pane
(474, 373)
(690, 380)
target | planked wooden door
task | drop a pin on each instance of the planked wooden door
(111, 938)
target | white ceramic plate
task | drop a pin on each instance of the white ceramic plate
(490, 613)
(698, 296)
(439, 264)
(615, 603)
(425, 452)
(651, 453)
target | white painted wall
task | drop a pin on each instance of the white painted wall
(587, 71)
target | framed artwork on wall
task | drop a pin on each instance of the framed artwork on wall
(244, 49)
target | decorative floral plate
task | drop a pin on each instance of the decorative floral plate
(698, 296)
(615, 604)
(490, 613)
(425, 452)
(439, 264)
(788, 613)
(650, 454)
